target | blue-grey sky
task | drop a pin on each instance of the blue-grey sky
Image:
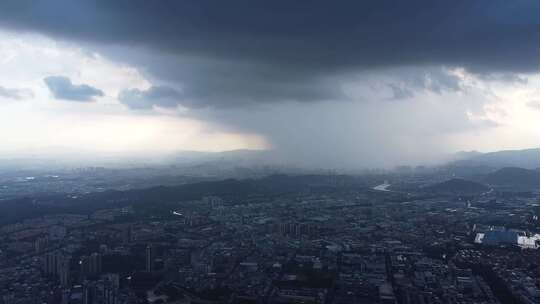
(335, 84)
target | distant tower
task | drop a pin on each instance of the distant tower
(149, 258)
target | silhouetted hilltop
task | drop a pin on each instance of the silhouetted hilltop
(458, 186)
(515, 177)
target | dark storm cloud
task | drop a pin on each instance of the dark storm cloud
(62, 88)
(309, 34)
(248, 51)
(17, 94)
(407, 82)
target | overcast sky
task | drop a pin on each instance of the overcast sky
(345, 84)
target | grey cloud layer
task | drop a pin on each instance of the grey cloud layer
(224, 53)
(17, 94)
(155, 96)
(62, 88)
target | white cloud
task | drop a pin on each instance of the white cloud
(105, 125)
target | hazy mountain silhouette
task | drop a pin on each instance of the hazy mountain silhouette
(457, 186)
(514, 177)
(528, 158)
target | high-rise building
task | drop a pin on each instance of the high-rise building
(213, 201)
(40, 244)
(8, 298)
(88, 292)
(110, 289)
(149, 258)
(94, 263)
(91, 265)
(50, 263)
(63, 271)
(84, 264)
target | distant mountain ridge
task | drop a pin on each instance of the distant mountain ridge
(527, 158)
(515, 177)
(457, 186)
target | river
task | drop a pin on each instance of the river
(382, 187)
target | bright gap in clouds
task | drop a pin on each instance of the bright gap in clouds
(32, 121)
